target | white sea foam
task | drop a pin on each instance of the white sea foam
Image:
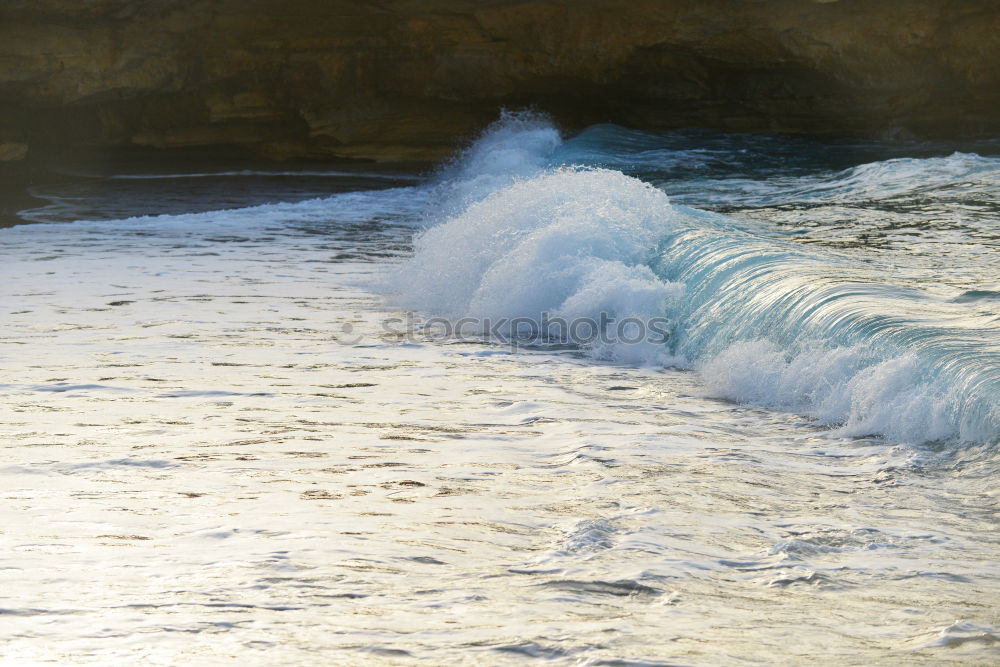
(901, 177)
(844, 387)
(570, 243)
(399, 204)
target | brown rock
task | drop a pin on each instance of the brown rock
(409, 78)
(13, 151)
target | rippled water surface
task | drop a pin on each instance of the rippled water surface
(220, 445)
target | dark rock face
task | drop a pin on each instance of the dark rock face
(399, 79)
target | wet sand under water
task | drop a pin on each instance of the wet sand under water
(201, 464)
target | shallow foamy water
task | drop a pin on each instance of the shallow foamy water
(215, 449)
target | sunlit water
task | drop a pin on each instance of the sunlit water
(221, 445)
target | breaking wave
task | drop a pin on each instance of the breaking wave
(515, 232)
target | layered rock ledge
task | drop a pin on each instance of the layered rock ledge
(406, 79)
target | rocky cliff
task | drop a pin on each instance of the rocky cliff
(394, 79)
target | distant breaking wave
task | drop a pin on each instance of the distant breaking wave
(514, 233)
(249, 173)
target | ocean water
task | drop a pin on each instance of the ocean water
(615, 398)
